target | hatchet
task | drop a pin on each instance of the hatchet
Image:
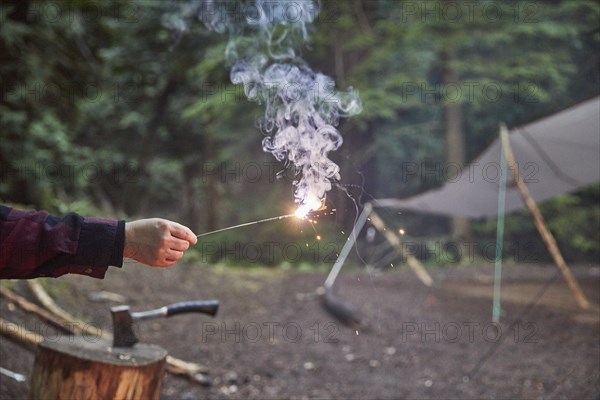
(123, 318)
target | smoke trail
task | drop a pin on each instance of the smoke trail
(302, 108)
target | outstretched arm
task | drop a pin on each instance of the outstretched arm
(35, 244)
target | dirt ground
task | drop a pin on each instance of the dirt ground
(272, 338)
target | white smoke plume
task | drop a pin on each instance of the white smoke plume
(302, 108)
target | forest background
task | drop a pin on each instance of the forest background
(112, 108)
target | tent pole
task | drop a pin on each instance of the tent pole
(360, 223)
(547, 236)
(411, 260)
(499, 233)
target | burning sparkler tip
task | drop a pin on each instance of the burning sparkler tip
(311, 204)
(302, 212)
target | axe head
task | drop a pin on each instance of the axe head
(345, 313)
(123, 335)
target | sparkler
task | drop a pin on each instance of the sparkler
(260, 221)
(301, 213)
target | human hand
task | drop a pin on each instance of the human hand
(157, 242)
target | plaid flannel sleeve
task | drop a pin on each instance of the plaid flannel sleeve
(35, 244)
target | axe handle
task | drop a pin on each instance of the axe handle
(209, 307)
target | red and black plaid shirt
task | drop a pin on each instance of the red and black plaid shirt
(35, 244)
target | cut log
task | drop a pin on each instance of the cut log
(175, 366)
(86, 368)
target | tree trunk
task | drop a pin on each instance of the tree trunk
(212, 185)
(191, 203)
(88, 368)
(138, 202)
(455, 139)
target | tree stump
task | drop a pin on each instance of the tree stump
(85, 368)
